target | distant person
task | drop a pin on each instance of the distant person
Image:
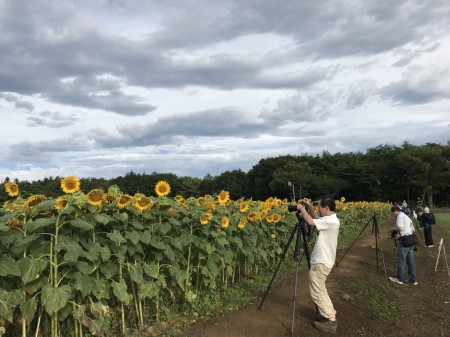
(423, 215)
(404, 206)
(322, 259)
(405, 255)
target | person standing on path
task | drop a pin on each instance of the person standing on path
(423, 215)
(405, 255)
(322, 258)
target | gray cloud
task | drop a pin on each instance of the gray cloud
(52, 119)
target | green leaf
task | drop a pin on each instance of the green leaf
(28, 309)
(72, 248)
(116, 237)
(27, 241)
(55, 298)
(164, 228)
(39, 223)
(8, 266)
(148, 290)
(81, 225)
(158, 244)
(151, 270)
(83, 283)
(104, 219)
(136, 273)
(120, 291)
(146, 237)
(133, 236)
(121, 216)
(31, 268)
(176, 243)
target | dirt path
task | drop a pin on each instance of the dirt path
(428, 307)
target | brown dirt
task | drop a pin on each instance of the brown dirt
(425, 313)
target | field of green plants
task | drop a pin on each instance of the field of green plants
(87, 264)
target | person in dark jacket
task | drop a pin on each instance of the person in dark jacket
(423, 215)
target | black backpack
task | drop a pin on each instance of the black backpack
(432, 219)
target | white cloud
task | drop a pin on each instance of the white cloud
(195, 87)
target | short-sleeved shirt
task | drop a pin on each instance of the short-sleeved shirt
(403, 221)
(325, 247)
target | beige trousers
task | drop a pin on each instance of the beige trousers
(317, 277)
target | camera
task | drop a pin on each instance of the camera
(292, 208)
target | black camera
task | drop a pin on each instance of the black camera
(292, 208)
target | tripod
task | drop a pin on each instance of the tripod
(376, 232)
(299, 230)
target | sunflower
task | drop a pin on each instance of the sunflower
(34, 200)
(276, 218)
(224, 197)
(12, 189)
(162, 188)
(124, 200)
(225, 222)
(180, 199)
(273, 236)
(209, 206)
(143, 203)
(242, 223)
(269, 218)
(14, 223)
(172, 213)
(243, 207)
(95, 197)
(278, 202)
(199, 201)
(109, 197)
(254, 216)
(342, 199)
(70, 184)
(204, 219)
(61, 203)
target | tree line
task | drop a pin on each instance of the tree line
(382, 173)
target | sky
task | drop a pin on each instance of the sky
(98, 88)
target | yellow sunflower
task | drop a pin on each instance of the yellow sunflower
(70, 184)
(209, 206)
(342, 199)
(224, 197)
(273, 236)
(254, 216)
(34, 200)
(162, 188)
(269, 218)
(180, 199)
(204, 219)
(278, 202)
(243, 207)
(143, 203)
(95, 197)
(276, 218)
(225, 222)
(12, 189)
(124, 200)
(242, 223)
(14, 223)
(199, 201)
(61, 203)
(109, 197)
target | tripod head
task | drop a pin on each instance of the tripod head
(306, 229)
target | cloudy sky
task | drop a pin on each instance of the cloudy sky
(97, 88)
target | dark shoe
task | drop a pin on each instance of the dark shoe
(320, 318)
(326, 325)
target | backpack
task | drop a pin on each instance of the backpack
(432, 219)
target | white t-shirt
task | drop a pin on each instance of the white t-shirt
(405, 223)
(325, 247)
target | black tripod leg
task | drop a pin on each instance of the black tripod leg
(306, 247)
(286, 247)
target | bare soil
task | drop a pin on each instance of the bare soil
(424, 308)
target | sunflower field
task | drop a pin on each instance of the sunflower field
(83, 264)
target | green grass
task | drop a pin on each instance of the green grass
(374, 295)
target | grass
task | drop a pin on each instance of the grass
(374, 296)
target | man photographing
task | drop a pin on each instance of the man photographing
(322, 258)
